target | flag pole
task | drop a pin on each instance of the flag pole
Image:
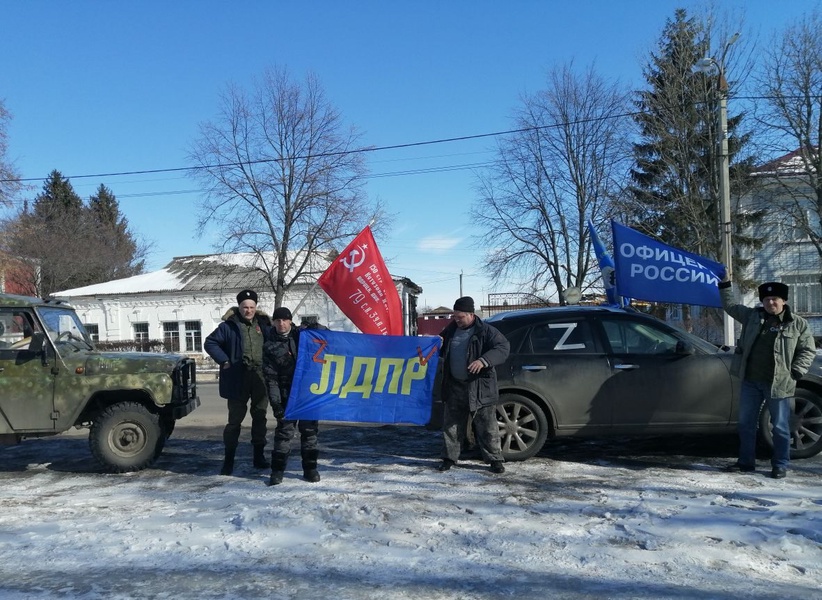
(307, 294)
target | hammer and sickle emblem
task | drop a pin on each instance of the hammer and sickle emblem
(355, 258)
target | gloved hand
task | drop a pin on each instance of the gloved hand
(278, 409)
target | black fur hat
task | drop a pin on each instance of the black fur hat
(773, 288)
(247, 295)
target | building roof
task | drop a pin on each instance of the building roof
(199, 273)
(791, 163)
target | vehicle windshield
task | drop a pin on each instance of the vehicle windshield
(64, 328)
(695, 340)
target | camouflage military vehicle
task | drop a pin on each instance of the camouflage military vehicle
(52, 378)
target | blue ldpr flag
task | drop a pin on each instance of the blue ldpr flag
(606, 268)
(362, 378)
(650, 270)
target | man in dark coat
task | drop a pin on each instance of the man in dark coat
(237, 346)
(470, 351)
(279, 361)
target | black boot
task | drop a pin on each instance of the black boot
(228, 461)
(278, 462)
(259, 457)
(310, 472)
(446, 464)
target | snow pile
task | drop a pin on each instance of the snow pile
(383, 523)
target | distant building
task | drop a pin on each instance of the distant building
(18, 276)
(186, 300)
(434, 321)
(787, 254)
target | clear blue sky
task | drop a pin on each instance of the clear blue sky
(106, 87)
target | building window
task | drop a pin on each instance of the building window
(805, 293)
(141, 332)
(194, 336)
(93, 331)
(171, 336)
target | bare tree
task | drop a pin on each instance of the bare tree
(9, 178)
(283, 176)
(791, 83)
(561, 167)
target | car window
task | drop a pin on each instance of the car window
(631, 337)
(16, 327)
(561, 337)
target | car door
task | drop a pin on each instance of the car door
(655, 384)
(26, 383)
(563, 362)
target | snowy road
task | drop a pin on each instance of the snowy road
(615, 519)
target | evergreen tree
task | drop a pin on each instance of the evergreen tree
(57, 200)
(112, 239)
(74, 245)
(675, 194)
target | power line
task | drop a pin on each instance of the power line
(371, 149)
(421, 171)
(367, 149)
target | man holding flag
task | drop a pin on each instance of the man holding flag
(470, 350)
(775, 350)
(279, 363)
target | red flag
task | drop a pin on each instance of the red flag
(359, 283)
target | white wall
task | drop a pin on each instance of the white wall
(115, 315)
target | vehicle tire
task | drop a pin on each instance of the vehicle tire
(167, 423)
(523, 427)
(806, 425)
(126, 437)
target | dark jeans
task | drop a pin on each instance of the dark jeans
(456, 416)
(253, 387)
(751, 397)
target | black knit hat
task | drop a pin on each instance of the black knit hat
(773, 288)
(464, 304)
(247, 295)
(281, 313)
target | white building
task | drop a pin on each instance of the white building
(185, 301)
(787, 253)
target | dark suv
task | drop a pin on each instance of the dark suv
(593, 371)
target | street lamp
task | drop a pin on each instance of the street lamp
(709, 65)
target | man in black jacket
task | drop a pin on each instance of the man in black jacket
(237, 346)
(279, 361)
(470, 351)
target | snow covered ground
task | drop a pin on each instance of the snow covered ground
(615, 519)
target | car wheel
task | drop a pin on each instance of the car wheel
(167, 426)
(523, 426)
(126, 437)
(806, 425)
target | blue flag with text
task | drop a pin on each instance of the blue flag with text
(364, 378)
(606, 267)
(653, 271)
